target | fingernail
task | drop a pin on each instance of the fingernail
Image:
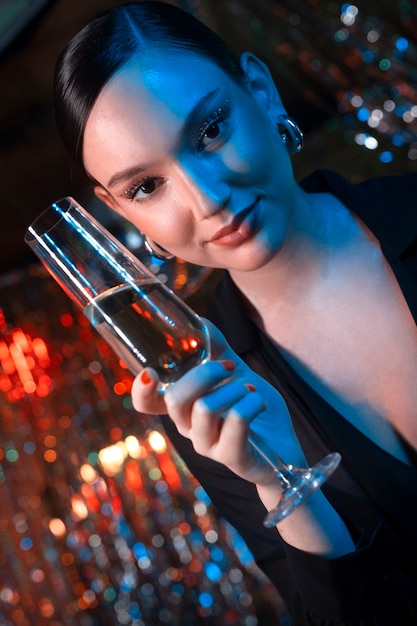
(228, 365)
(145, 378)
(250, 386)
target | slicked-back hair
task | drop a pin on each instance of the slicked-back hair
(108, 42)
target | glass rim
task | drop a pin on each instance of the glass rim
(33, 233)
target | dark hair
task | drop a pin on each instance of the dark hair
(108, 42)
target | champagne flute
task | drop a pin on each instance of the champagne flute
(142, 320)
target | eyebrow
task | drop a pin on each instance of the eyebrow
(125, 175)
(192, 116)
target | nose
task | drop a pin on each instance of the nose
(209, 194)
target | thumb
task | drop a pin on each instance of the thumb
(145, 395)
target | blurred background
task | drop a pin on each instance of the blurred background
(100, 522)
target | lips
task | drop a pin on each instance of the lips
(241, 228)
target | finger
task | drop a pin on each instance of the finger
(146, 398)
(235, 449)
(206, 418)
(236, 426)
(221, 351)
(196, 383)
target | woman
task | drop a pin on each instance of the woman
(319, 351)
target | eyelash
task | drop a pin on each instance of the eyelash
(217, 117)
(131, 192)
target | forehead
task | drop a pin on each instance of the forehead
(149, 97)
(170, 77)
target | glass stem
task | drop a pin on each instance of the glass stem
(281, 469)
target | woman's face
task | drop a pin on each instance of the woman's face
(193, 159)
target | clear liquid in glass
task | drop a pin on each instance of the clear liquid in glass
(146, 329)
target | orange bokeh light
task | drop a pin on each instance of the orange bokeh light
(50, 456)
(119, 388)
(22, 365)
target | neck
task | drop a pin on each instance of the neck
(322, 230)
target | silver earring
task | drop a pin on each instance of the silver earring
(291, 134)
(157, 251)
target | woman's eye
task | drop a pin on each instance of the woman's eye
(148, 186)
(211, 131)
(139, 191)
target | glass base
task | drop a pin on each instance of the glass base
(304, 483)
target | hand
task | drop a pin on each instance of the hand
(145, 395)
(214, 404)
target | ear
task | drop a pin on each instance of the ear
(260, 83)
(106, 197)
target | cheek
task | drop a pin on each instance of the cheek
(132, 214)
(163, 223)
(254, 153)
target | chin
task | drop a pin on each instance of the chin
(252, 261)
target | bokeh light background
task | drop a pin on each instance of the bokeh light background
(101, 523)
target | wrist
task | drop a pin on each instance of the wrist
(270, 493)
(314, 526)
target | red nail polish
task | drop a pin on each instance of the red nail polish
(228, 365)
(145, 378)
(251, 387)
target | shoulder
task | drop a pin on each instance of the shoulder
(386, 204)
